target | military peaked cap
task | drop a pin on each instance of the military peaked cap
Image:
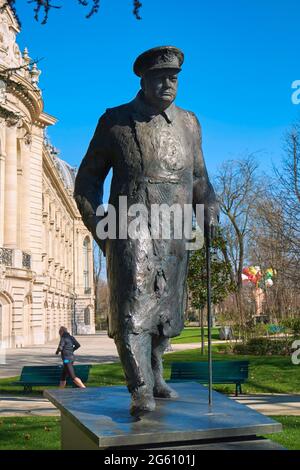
(163, 57)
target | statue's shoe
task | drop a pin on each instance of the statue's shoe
(142, 402)
(162, 390)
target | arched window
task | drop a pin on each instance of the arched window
(87, 316)
(86, 273)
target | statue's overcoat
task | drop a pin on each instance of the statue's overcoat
(156, 159)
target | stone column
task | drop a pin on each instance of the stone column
(2, 186)
(25, 191)
(90, 261)
(80, 261)
(11, 188)
(36, 232)
(51, 237)
(36, 190)
(76, 260)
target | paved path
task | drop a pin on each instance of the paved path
(26, 406)
(95, 349)
(276, 404)
(266, 404)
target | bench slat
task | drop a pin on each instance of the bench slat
(49, 375)
(222, 372)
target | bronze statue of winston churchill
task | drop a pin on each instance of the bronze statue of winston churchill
(154, 150)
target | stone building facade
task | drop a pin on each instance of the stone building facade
(46, 256)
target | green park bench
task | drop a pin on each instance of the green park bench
(48, 375)
(224, 372)
(275, 329)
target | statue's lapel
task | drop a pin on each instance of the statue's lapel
(140, 131)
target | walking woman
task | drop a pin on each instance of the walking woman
(66, 347)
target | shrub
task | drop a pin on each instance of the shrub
(264, 347)
(260, 329)
(101, 324)
(226, 348)
(292, 324)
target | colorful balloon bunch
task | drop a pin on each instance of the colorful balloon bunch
(253, 274)
(269, 274)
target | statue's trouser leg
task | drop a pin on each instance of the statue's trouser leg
(161, 389)
(135, 355)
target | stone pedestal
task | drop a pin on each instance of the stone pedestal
(98, 418)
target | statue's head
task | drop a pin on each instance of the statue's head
(158, 69)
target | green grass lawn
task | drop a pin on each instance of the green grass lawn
(290, 436)
(268, 374)
(193, 335)
(43, 433)
(274, 374)
(32, 433)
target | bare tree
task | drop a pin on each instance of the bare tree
(98, 281)
(102, 312)
(268, 248)
(101, 288)
(276, 231)
(287, 191)
(42, 8)
(239, 188)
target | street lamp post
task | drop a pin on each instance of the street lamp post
(209, 315)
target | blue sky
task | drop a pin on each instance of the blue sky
(241, 57)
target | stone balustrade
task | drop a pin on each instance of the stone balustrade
(15, 258)
(6, 256)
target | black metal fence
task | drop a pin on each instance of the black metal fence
(6, 256)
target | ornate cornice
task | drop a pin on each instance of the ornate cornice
(58, 184)
(22, 89)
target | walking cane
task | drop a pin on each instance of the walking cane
(208, 273)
